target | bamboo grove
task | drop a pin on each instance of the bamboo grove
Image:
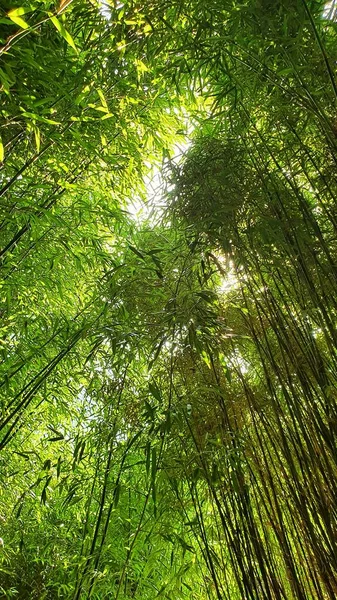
(168, 380)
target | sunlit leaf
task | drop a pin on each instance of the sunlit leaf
(15, 16)
(63, 31)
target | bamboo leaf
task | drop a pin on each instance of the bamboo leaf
(63, 31)
(137, 252)
(15, 16)
(37, 138)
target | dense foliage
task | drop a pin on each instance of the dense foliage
(168, 382)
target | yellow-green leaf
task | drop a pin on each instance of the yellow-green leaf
(15, 16)
(101, 95)
(63, 31)
(2, 151)
(141, 67)
(98, 107)
(37, 138)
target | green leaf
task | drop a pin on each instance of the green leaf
(75, 500)
(153, 464)
(58, 468)
(148, 457)
(14, 16)
(116, 494)
(155, 391)
(37, 138)
(103, 100)
(207, 295)
(137, 252)
(26, 456)
(63, 31)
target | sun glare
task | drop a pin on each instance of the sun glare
(152, 207)
(330, 10)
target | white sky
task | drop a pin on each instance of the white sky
(155, 201)
(330, 10)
